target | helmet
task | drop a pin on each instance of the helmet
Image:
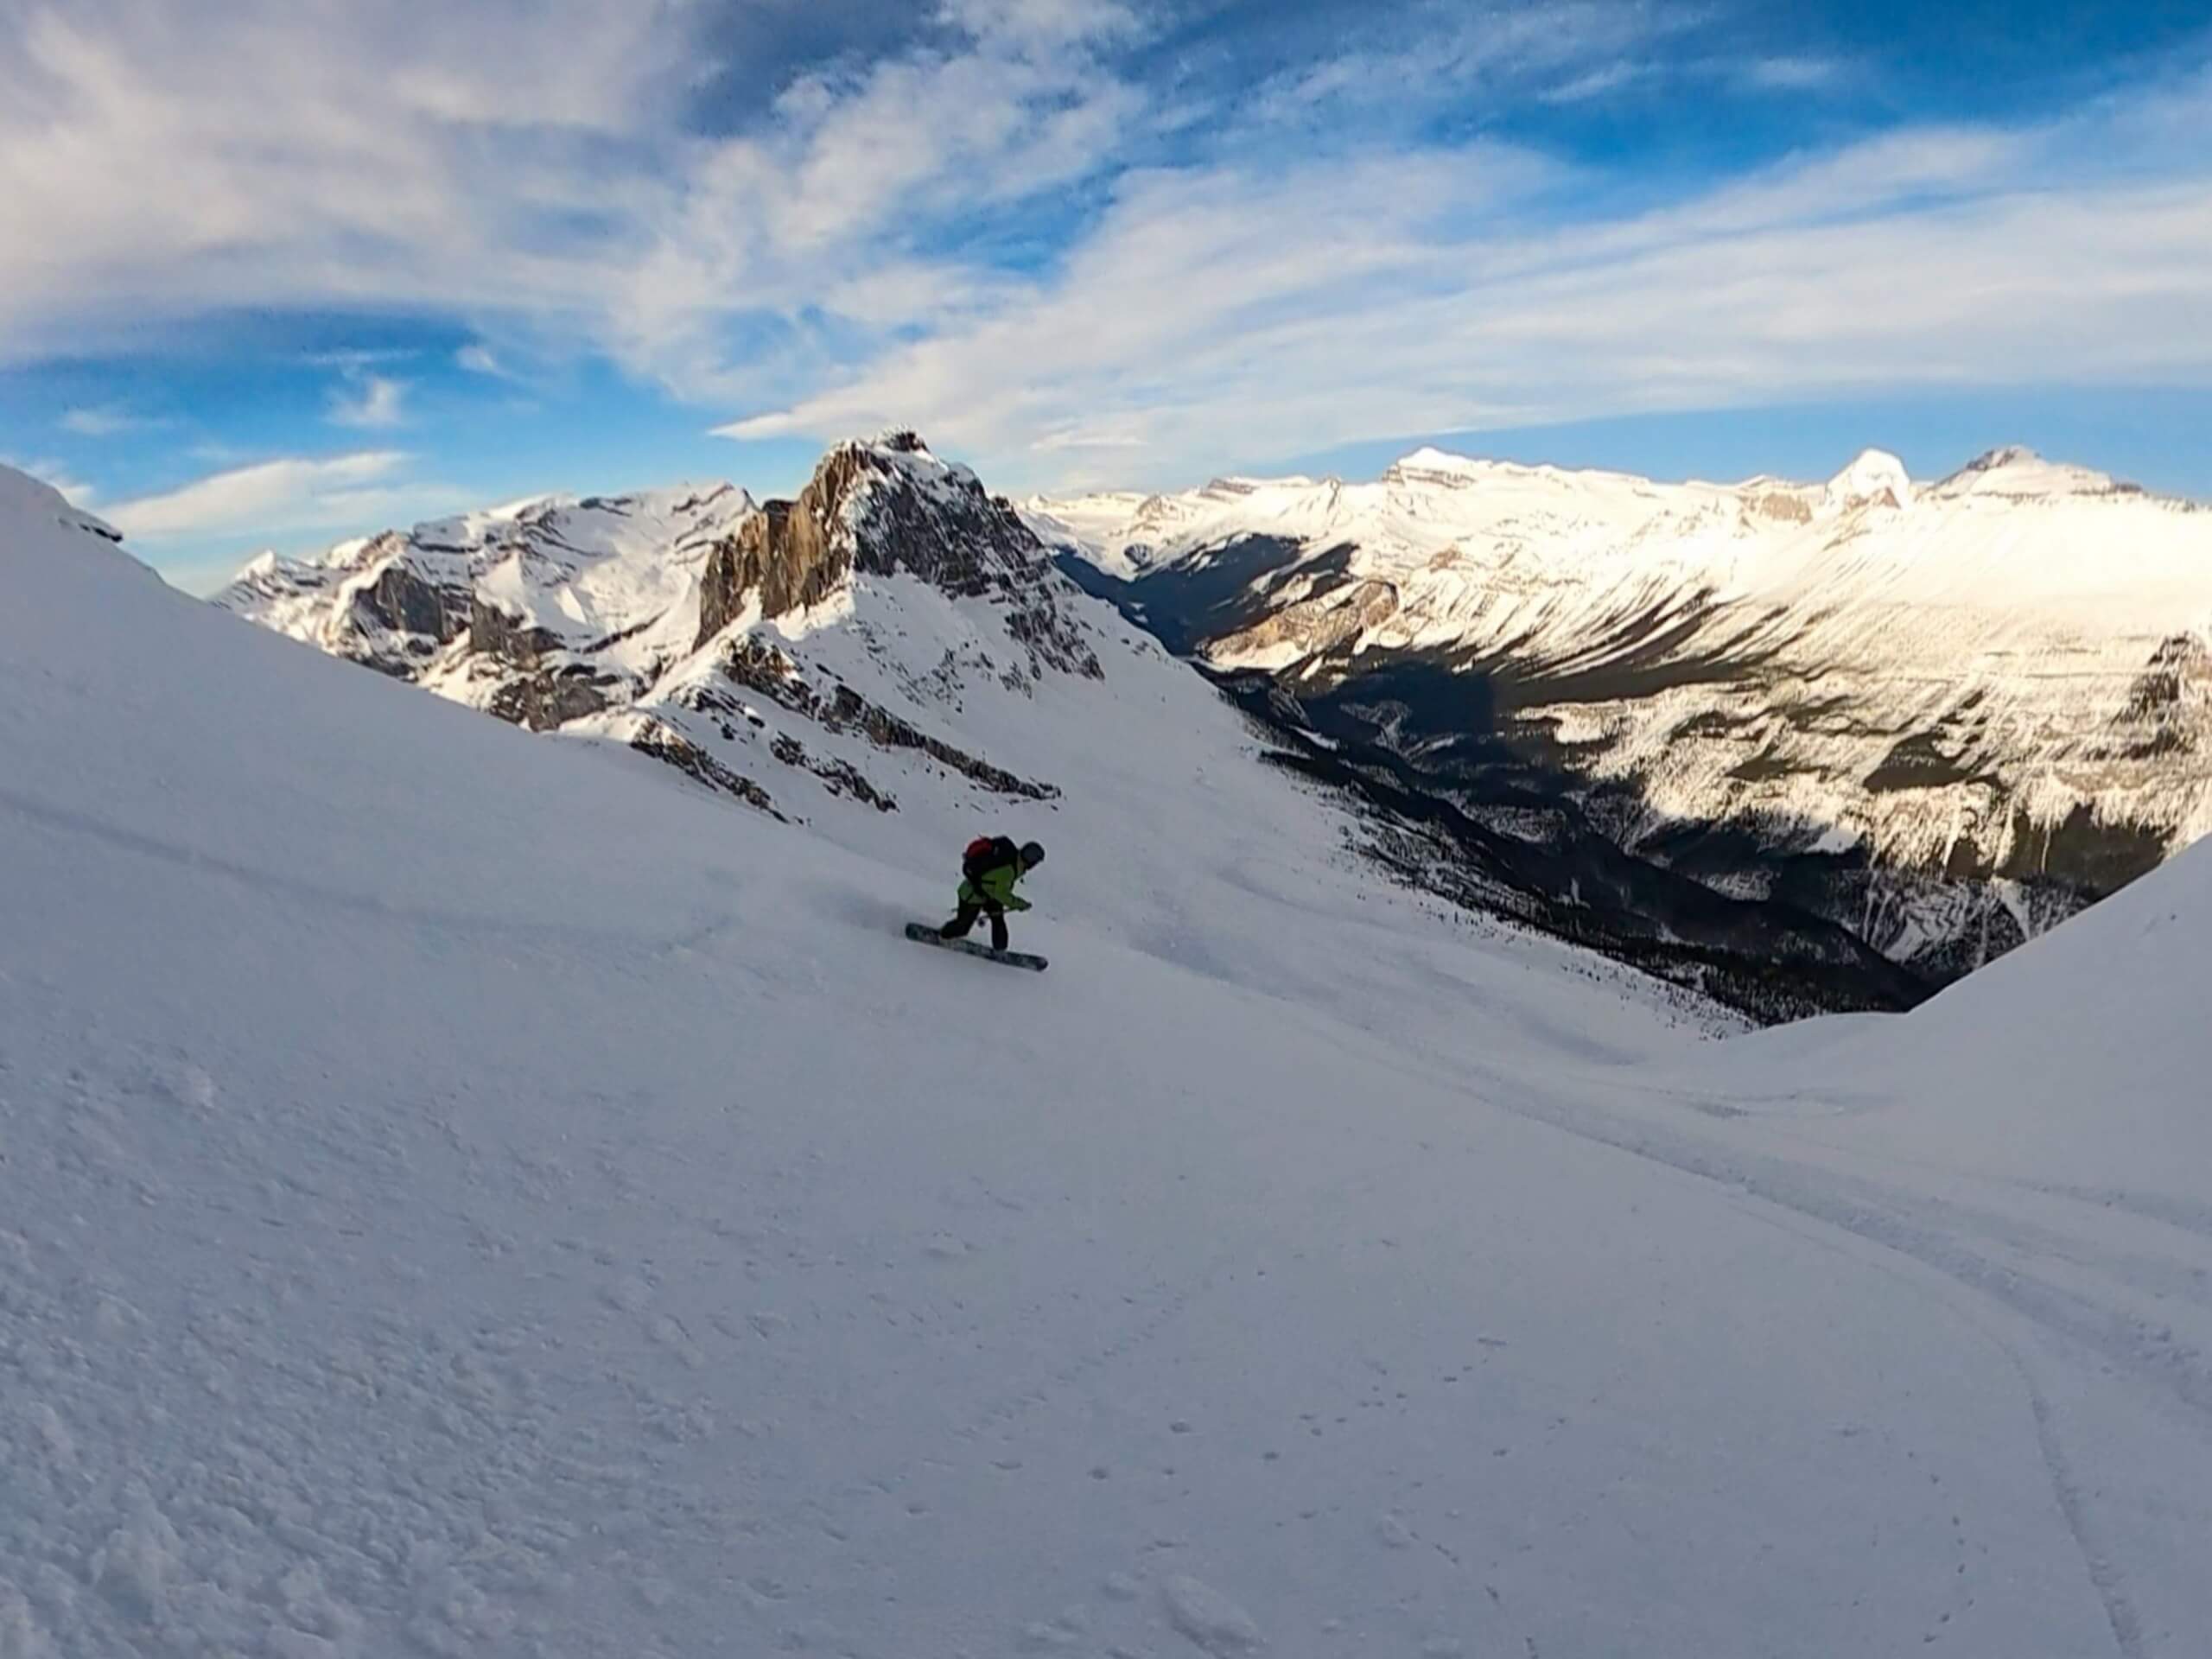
(1032, 855)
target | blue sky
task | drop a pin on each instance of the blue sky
(332, 266)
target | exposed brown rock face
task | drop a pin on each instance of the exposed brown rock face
(1323, 623)
(783, 554)
(1788, 508)
(869, 509)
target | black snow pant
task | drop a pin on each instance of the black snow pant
(958, 927)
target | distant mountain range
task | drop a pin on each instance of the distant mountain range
(1797, 747)
(1943, 715)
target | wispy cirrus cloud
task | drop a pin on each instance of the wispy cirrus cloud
(1793, 73)
(1215, 314)
(529, 161)
(280, 185)
(287, 495)
(369, 400)
(1033, 228)
(1458, 56)
(105, 421)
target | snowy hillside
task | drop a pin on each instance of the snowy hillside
(1999, 684)
(472, 1194)
(891, 656)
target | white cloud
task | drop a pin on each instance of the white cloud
(523, 160)
(278, 183)
(105, 421)
(1234, 314)
(1559, 51)
(268, 497)
(1600, 82)
(1129, 435)
(844, 261)
(1793, 74)
(369, 400)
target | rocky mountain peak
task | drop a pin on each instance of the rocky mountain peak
(1876, 478)
(2017, 470)
(1430, 465)
(638, 618)
(885, 507)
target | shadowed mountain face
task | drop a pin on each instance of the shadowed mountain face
(1459, 802)
(1895, 732)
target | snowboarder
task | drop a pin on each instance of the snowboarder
(988, 870)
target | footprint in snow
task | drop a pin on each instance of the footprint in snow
(1210, 1620)
(181, 1081)
(671, 1334)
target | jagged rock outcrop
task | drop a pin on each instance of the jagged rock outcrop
(781, 560)
(549, 684)
(886, 509)
(398, 608)
(756, 665)
(642, 618)
(664, 743)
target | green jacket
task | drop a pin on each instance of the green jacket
(996, 891)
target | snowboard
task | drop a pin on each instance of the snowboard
(923, 934)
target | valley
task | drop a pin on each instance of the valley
(1936, 720)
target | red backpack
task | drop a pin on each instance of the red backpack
(986, 854)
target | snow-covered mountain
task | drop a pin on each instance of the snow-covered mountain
(470, 1193)
(565, 598)
(1944, 715)
(818, 646)
(898, 641)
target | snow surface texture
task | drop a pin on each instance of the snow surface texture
(470, 1194)
(1940, 673)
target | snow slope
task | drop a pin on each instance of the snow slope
(2008, 673)
(896, 645)
(470, 1194)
